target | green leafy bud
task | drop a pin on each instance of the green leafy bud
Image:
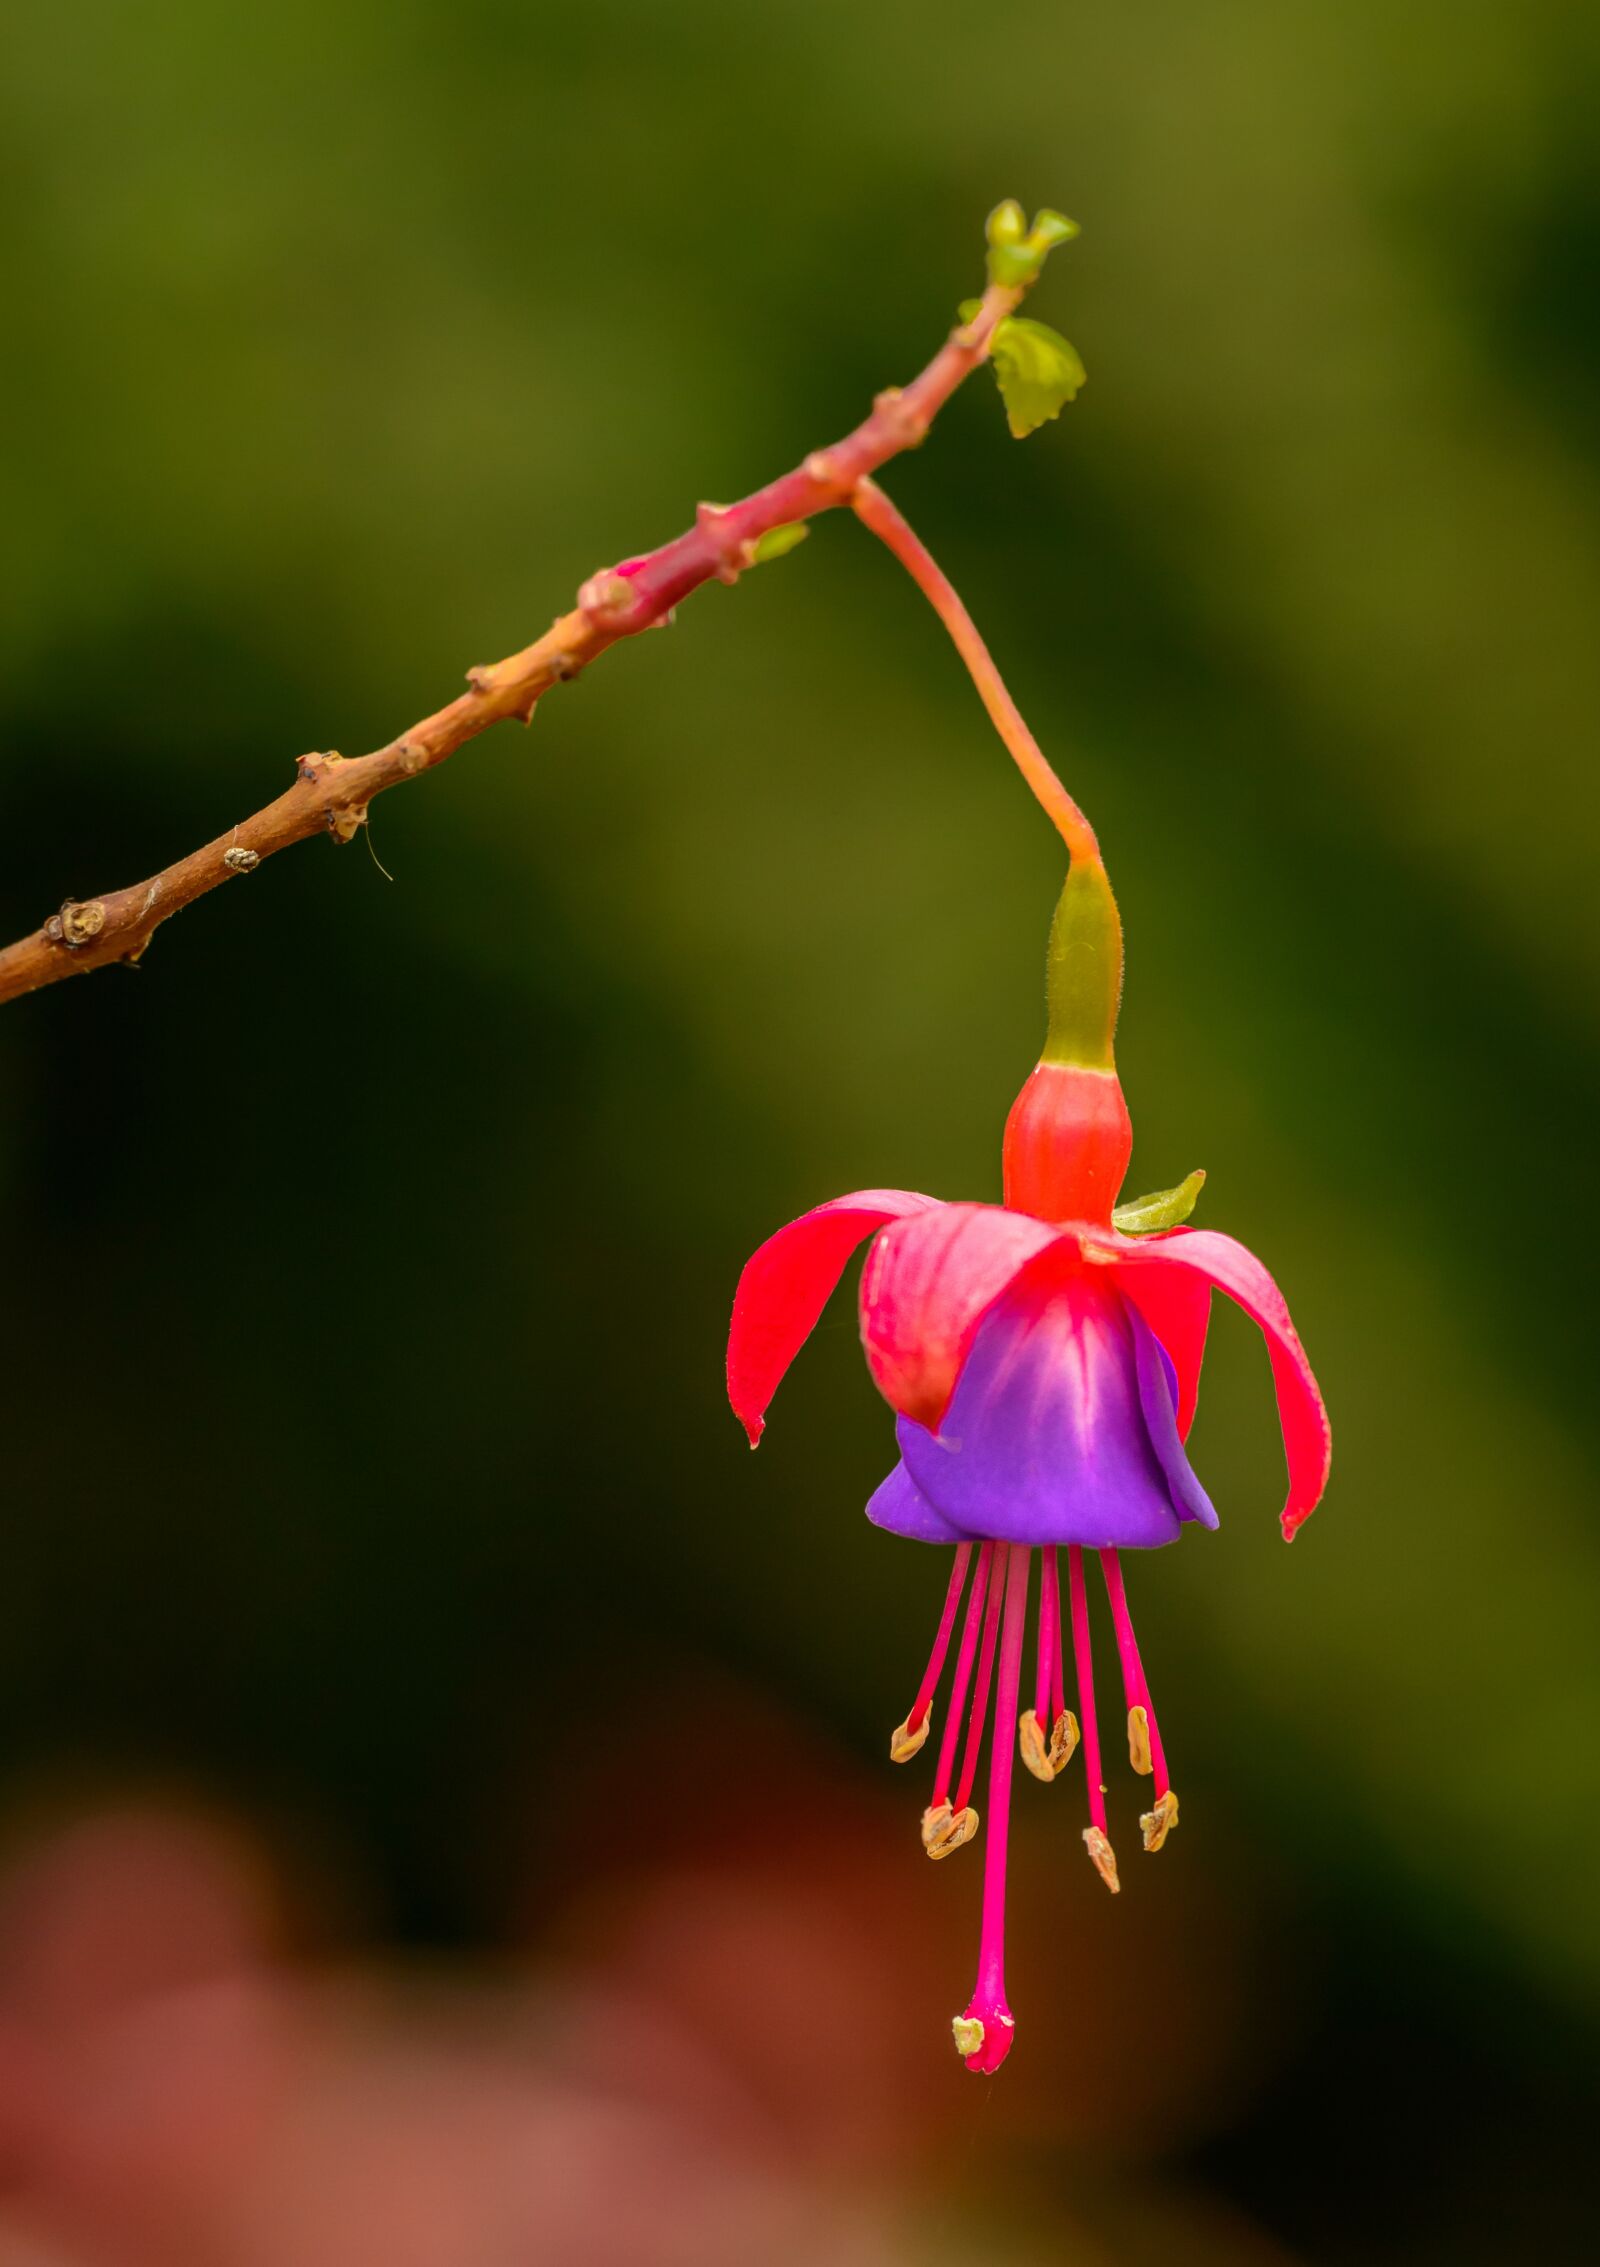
(1017, 253)
(1007, 224)
(1166, 1208)
(778, 540)
(1037, 370)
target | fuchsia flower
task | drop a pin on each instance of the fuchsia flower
(1043, 1360)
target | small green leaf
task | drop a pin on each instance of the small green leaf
(778, 540)
(1052, 228)
(1166, 1208)
(1037, 371)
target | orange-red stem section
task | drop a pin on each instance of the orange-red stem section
(890, 525)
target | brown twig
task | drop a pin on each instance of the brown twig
(331, 792)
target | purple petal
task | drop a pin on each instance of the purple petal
(1046, 1439)
(1158, 1396)
(900, 1506)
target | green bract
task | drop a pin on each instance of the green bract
(1164, 1208)
(1037, 370)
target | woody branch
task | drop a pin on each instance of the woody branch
(331, 793)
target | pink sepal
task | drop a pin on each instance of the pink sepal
(925, 1288)
(786, 1285)
(1224, 1263)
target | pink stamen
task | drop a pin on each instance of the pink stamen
(1083, 1662)
(1050, 1697)
(1135, 1689)
(988, 2012)
(958, 1690)
(1059, 1688)
(980, 1689)
(941, 1644)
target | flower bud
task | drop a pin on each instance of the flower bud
(1069, 1137)
(1007, 224)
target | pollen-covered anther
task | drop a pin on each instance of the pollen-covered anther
(944, 1829)
(967, 2032)
(1044, 1759)
(906, 1739)
(1031, 1744)
(1157, 1824)
(1102, 1857)
(1139, 1741)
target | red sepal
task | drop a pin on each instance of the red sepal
(1224, 1263)
(786, 1285)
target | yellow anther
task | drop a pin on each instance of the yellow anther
(1139, 1741)
(944, 1830)
(1044, 1762)
(1102, 1857)
(1030, 1740)
(967, 2032)
(907, 1738)
(1157, 1824)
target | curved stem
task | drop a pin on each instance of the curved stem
(874, 510)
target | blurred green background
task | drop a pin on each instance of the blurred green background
(367, 1253)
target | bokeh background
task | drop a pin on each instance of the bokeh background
(445, 1807)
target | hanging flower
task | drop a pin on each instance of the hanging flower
(1043, 1360)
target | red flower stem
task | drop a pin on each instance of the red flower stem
(1083, 1661)
(941, 1644)
(875, 511)
(980, 1689)
(991, 1985)
(963, 1675)
(332, 793)
(1048, 1696)
(1135, 1688)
